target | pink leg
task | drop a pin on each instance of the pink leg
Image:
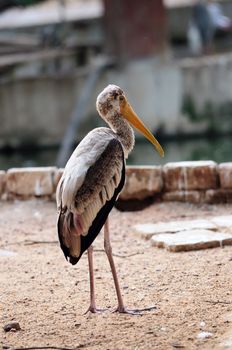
(92, 308)
(121, 307)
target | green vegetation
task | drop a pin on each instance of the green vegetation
(5, 4)
(27, 2)
(218, 117)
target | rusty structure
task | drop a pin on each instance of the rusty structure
(135, 28)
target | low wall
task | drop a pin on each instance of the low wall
(195, 182)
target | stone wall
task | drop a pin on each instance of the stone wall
(195, 182)
(36, 110)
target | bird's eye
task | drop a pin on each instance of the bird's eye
(121, 98)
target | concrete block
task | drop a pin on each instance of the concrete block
(184, 196)
(223, 221)
(148, 230)
(191, 240)
(225, 175)
(218, 196)
(27, 182)
(2, 182)
(57, 176)
(199, 175)
(142, 182)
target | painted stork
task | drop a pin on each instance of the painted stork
(92, 180)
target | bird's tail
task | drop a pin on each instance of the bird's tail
(69, 237)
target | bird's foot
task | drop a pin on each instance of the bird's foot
(94, 310)
(125, 310)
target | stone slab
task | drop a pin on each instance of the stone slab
(192, 175)
(218, 196)
(148, 230)
(184, 196)
(142, 182)
(57, 176)
(27, 182)
(191, 240)
(225, 175)
(223, 221)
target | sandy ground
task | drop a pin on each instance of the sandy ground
(47, 296)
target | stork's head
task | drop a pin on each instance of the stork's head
(109, 101)
(112, 101)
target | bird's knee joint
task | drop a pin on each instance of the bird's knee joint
(90, 249)
(107, 247)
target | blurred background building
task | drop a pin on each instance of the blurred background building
(57, 55)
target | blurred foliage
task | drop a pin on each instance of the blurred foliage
(218, 117)
(217, 149)
(6, 4)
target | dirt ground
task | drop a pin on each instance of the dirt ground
(192, 291)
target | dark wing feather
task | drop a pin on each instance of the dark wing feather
(97, 178)
(99, 221)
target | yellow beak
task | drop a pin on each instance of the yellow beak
(133, 119)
